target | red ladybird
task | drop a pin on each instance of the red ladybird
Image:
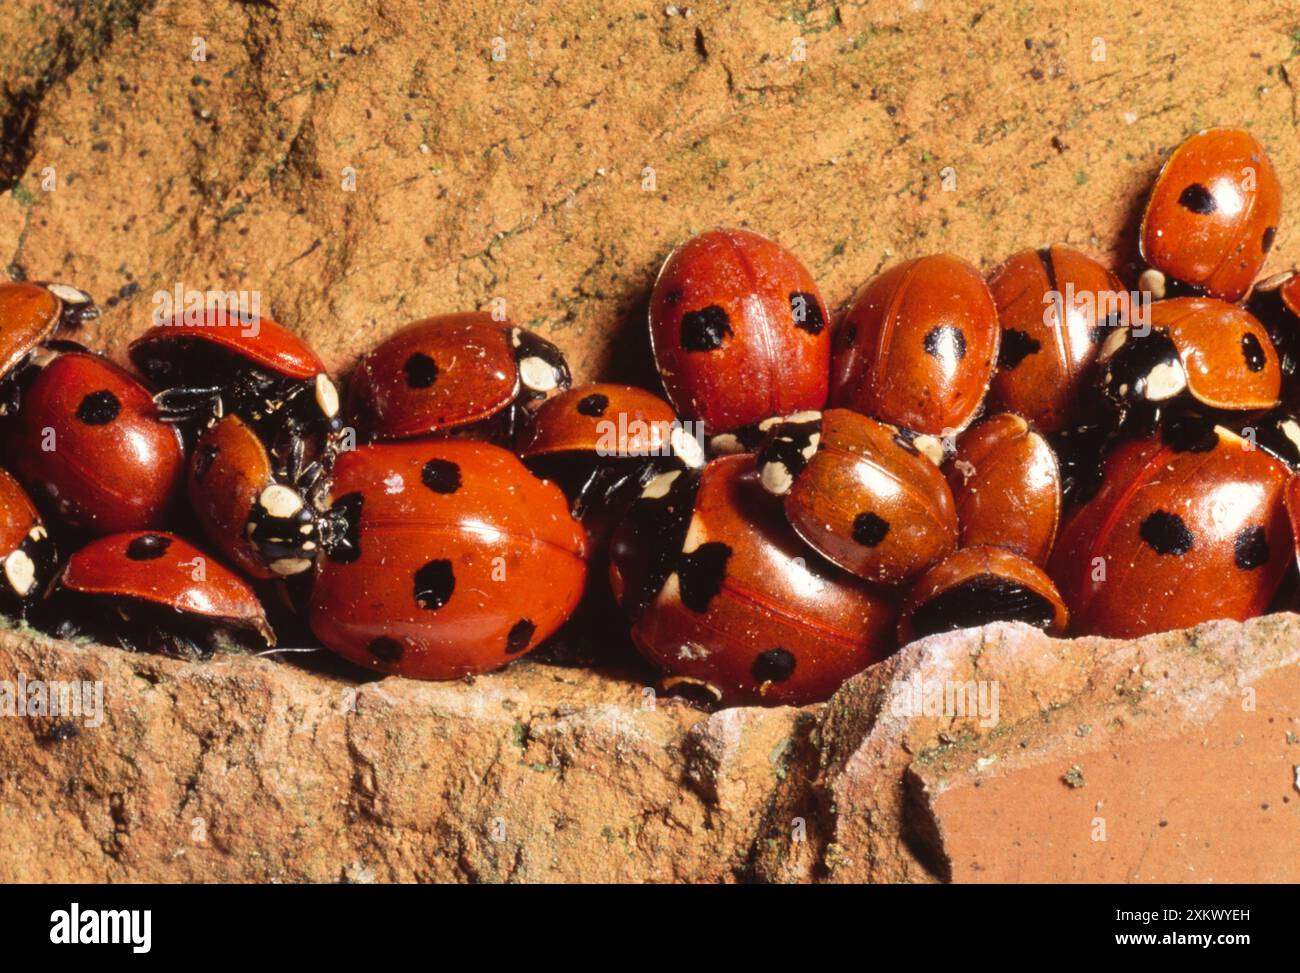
(1185, 528)
(724, 596)
(218, 362)
(1212, 215)
(453, 372)
(738, 330)
(89, 440)
(26, 551)
(1054, 305)
(156, 592)
(444, 558)
(264, 519)
(917, 347)
(30, 314)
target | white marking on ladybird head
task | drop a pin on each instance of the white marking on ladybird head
(696, 534)
(686, 448)
(38, 532)
(808, 415)
(658, 488)
(776, 478)
(516, 337)
(814, 442)
(1154, 283)
(726, 444)
(280, 501)
(327, 396)
(1113, 343)
(1291, 430)
(20, 572)
(68, 294)
(288, 566)
(1165, 380)
(538, 374)
(931, 447)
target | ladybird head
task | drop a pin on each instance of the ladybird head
(791, 442)
(1141, 368)
(542, 368)
(284, 528)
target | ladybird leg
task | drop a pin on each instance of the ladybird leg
(183, 404)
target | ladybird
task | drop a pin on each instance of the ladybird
(26, 552)
(596, 440)
(1275, 302)
(467, 373)
(251, 366)
(1055, 306)
(725, 597)
(1187, 527)
(89, 441)
(978, 585)
(738, 330)
(860, 493)
(1212, 216)
(917, 347)
(1006, 487)
(1197, 348)
(259, 515)
(152, 591)
(443, 559)
(31, 314)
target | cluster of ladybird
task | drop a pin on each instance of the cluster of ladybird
(441, 520)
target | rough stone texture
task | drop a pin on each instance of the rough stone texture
(526, 180)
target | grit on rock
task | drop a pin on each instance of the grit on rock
(360, 168)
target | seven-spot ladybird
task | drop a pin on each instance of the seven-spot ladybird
(597, 441)
(1006, 487)
(917, 347)
(1055, 306)
(88, 440)
(739, 331)
(723, 594)
(29, 315)
(221, 362)
(1200, 348)
(1186, 527)
(454, 372)
(26, 551)
(1212, 215)
(149, 591)
(262, 517)
(442, 559)
(860, 493)
(978, 585)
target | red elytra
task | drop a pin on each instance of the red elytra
(605, 418)
(1184, 529)
(456, 561)
(88, 439)
(167, 570)
(449, 372)
(259, 340)
(739, 331)
(26, 552)
(1213, 213)
(723, 594)
(29, 313)
(917, 346)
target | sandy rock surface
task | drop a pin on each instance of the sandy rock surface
(358, 165)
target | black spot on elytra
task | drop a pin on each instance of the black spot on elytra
(421, 371)
(1016, 347)
(434, 584)
(774, 665)
(99, 408)
(945, 341)
(1165, 533)
(1250, 550)
(1266, 241)
(1253, 352)
(521, 633)
(203, 459)
(807, 312)
(979, 600)
(701, 573)
(593, 405)
(1189, 434)
(672, 297)
(869, 529)
(385, 649)
(148, 547)
(1198, 199)
(705, 329)
(441, 476)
